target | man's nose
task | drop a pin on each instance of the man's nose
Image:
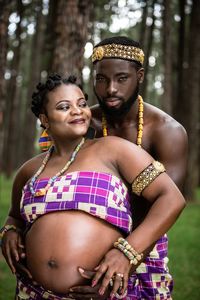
(112, 87)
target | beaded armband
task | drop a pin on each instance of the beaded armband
(147, 176)
(133, 256)
(5, 229)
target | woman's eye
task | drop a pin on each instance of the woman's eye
(83, 104)
(63, 107)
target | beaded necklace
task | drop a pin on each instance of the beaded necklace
(140, 122)
(43, 191)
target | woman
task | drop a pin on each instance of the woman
(72, 203)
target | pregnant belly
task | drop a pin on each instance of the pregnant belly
(58, 243)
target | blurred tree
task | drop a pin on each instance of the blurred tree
(148, 43)
(70, 33)
(192, 99)
(12, 101)
(6, 8)
(167, 57)
(26, 144)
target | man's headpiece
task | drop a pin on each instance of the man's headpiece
(118, 47)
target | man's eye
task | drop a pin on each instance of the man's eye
(123, 78)
(100, 79)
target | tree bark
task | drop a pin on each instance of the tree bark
(147, 51)
(11, 122)
(5, 11)
(167, 58)
(26, 149)
(193, 93)
(180, 106)
(70, 36)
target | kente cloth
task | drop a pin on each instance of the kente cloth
(104, 196)
(151, 280)
(100, 194)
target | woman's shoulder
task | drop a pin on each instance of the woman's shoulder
(116, 145)
(27, 170)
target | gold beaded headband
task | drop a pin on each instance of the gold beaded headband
(118, 51)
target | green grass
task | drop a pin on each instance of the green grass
(184, 251)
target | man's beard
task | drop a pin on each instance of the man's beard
(123, 109)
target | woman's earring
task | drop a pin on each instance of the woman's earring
(45, 141)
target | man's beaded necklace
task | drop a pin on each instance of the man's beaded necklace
(140, 122)
(43, 191)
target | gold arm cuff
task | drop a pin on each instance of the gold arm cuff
(148, 175)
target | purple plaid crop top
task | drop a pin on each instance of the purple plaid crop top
(102, 195)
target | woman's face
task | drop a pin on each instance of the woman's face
(67, 112)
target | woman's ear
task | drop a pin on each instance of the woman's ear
(140, 75)
(44, 121)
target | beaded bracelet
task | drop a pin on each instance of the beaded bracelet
(5, 229)
(133, 256)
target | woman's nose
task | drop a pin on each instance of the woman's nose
(76, 110)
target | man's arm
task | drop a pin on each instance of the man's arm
(170, 146)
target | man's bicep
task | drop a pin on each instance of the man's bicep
(172, 151)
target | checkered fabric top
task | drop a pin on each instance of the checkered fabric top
(100, 194)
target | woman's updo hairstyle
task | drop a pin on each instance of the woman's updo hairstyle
(40, 99)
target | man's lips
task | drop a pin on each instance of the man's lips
(112, 101)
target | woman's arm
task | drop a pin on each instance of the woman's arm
(12, 242)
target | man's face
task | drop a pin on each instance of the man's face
(116, 85)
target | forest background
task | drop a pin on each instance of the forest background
(40, 37)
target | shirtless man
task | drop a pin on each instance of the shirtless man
(118, 73)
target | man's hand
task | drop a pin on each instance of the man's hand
(87, 292)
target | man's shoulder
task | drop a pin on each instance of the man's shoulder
(163, 124)
(157, 115)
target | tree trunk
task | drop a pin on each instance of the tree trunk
(147, 51)
(4, 21)
(70, 30)
(143, 26)
(180, 105)
(28, 132)
(167, 57)
(193, 94)
(11, 122)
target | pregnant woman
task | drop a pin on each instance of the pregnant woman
(70, 206)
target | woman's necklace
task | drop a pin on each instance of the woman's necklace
(43, 191)
(140, 122)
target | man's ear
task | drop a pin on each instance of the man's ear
(44, 120)
(140, 75)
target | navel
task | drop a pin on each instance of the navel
(52, 264)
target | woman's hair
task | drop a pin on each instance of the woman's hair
(40, 99)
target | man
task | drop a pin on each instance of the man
(118, 72)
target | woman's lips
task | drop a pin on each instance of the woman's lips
(77, 121)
